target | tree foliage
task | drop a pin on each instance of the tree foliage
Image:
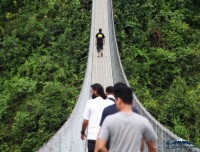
(161, 56)
(43, 54)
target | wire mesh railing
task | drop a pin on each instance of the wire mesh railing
(67, 139)
(164, 135)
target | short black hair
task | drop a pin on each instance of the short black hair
(110, 89)
(100, 30)
(99, 88)
(118, 84)
(124, 92)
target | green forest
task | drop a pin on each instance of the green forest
(43, 56)
(159, 44)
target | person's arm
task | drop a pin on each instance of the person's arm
(103, 116)
(84, 126)
(97, 142)
(151, 146)
(102, 145)
(103, 136)
(86, 117)
(142, 146)
(96, 39)
(103, 39)
(150, 136)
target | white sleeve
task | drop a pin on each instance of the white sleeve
(86, 114)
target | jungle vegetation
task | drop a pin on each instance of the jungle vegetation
(41, 44)
(43, 55)
(159, 44)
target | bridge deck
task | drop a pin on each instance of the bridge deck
(102, 71)
(99, 70)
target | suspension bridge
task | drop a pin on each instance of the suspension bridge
(106, 70)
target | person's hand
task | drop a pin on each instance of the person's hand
(83, 136)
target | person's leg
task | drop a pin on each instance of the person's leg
(98, 50)
(101, 47)
(91, 145)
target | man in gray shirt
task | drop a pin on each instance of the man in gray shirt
(126, 129)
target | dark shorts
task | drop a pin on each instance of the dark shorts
(99, 48)
(91, 145)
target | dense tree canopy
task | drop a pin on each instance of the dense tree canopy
(43, 51)
(160, 51)
(41, 44)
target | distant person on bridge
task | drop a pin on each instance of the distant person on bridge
(126, 129)
(92, 114)
(100, 41)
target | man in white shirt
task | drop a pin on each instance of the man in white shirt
(92, 114)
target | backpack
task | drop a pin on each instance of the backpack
(112, 99)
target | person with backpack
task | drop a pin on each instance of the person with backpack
(110, 93)
(126, 130)
(100, 41)
(112, 109)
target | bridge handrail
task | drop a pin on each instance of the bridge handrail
(119, 76)
(67, 138)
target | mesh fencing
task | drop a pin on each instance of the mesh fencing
(67, 138)
(164, 135)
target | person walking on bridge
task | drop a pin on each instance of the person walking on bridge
(100, 41)
(110, 93)
(112, 109)
(92, 114)
(126, 129)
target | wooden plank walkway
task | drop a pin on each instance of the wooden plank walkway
(102, 70)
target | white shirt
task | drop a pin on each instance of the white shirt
(111, 96)
(93, 112)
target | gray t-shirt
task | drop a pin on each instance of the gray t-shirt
(125, 131)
